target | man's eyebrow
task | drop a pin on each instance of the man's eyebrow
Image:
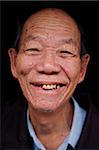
(69, 41)
(31, 37)
(64, 41)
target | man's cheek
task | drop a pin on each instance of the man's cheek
(23, 67)
(71, 70)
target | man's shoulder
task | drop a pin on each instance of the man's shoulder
(90, 131)
(92, 112)
(93, 118)
(13, 120)
(89, 137)
(13, 111)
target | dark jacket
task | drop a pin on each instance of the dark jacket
(15, 134)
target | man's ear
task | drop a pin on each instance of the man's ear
(13, 55)
(84, 64)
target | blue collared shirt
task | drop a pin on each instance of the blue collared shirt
(75, 132)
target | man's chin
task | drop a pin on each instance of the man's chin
(44, 109)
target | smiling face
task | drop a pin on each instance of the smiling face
(48, 65)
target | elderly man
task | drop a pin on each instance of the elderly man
(49, 61)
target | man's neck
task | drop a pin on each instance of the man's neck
(54, 126)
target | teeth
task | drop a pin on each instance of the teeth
(58, 86)
(50, 87)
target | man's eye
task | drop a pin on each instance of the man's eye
(66, 53)
(32, 51)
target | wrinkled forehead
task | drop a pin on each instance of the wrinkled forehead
(51, 21)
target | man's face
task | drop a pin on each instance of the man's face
(48, 65)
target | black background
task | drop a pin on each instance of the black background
(86, 13)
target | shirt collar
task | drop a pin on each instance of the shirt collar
(78, 121)
(77, 125)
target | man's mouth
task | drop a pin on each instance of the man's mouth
(48, 86)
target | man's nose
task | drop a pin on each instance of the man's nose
(48, 65)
